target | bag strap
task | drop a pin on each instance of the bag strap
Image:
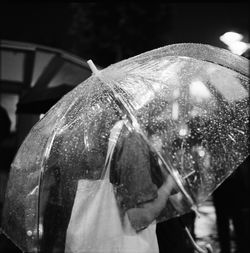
(113, 137)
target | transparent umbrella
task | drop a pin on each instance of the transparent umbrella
(190, 104)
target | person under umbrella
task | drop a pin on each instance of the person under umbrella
(142, 189)
(181, 82)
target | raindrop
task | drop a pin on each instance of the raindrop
(240, 131)
(231, 137)
(201, 153)
(183, 131)
(29, 233)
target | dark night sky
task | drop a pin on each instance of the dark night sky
(189, 22)
(39, 22)
(205, 22)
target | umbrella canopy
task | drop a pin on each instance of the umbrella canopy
(40, 100)
(190, 104)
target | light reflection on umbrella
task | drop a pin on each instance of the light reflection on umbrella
(189, 102)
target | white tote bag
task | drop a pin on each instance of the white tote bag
(96, 225)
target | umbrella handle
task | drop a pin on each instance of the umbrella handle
(208, 247)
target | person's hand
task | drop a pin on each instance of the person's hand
(169, 185)
(172, 185)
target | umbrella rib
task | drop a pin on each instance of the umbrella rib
(215, 93)
(245, 81)
(137, 127)
(129, 109)
(44, 160)
(147, 78)
(45, 157)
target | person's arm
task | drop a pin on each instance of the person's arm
(138, 195)
(143, 215)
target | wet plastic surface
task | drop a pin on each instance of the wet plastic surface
(192, 112)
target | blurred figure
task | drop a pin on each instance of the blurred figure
(6, 158)
(5, 124)
(172, 237)
(231, 203)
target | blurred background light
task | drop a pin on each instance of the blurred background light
(230, 37)
(239, 47)
(234, 42)
(199, 91)
(183, 130)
